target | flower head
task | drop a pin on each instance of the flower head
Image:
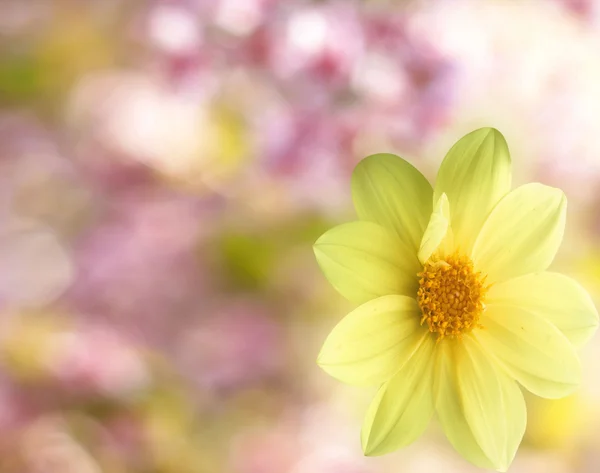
(457, 308)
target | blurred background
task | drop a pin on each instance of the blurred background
(166, 165)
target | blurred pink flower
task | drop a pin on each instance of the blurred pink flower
(137, 265)
(313, 46)
(30, 154)
(173, 34)
(173, 28)
(408, 83)
(34, 267)
(396, 91)
(136, 117)
(267, 450)
(564, 121)
(310, 439)
(585, 9)
(20, 18)
(122, 437)
(235, 343)
(38, 191)
(96, 360)
(15, 408)
(310, 153)
(333, 81)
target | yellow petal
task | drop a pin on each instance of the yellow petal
(363, 261)
(389, 191)
(522, 234)
(552, 296)
(403, 406)
(373, 341)
(475, 174)
(438, 232)
(532, 350)
(482, 411)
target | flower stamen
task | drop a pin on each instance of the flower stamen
(451, 295)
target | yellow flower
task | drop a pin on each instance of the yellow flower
(457, 306)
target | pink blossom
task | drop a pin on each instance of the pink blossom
(137, 267)
(96, 360)
(233, 344)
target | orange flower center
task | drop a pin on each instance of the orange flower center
(451, 295)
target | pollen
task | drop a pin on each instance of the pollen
(451, 295)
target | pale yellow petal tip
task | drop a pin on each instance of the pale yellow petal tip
(487, 131)
(557, 191)
(319, 359)
(377, 157)
(438, 229)
(323, 364)
(318, 241)
(375, 160)
(500, 465)
(320, 256)
(371, 451)
(322, 360)
(369, 448)
(366, 165)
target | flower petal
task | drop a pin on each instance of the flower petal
(373, 342)
(552, 296)
(522, 234)
(388, 190)
(475, 174)
(403, 406)
(482, 411)
(438, 232)
(363, 261)
(532, 350)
